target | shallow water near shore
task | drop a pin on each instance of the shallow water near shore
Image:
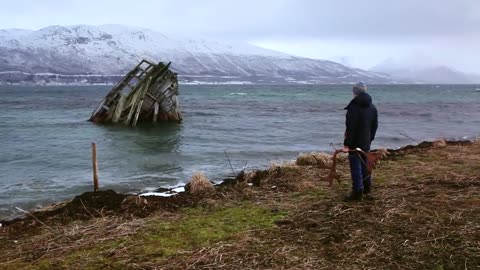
(45, 138)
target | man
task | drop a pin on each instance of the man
(361, 126)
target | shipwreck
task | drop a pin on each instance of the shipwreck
(148, 93)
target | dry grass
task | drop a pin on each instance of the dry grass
(439, 143)
(58, 241)
(199, 184)
(321, 160)
(426, 216)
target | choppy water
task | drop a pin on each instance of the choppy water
(45, 139)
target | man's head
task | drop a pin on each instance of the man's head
(359, 88)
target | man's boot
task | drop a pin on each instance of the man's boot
(354, 196)
(367, 187)
(367, 190)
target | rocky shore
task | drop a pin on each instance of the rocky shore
(426, 215)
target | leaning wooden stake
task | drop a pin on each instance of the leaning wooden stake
(95, 167)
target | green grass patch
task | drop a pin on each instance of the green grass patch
(198, 227)
(202, 227)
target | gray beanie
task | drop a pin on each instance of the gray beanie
(359, 88)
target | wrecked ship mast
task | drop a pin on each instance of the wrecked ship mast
(148, 93)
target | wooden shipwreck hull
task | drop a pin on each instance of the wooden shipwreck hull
(148, 93)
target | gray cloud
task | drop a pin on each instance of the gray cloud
(448, 29)
(267, 18)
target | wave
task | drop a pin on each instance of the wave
(204, 114)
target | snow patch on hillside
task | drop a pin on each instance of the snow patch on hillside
(114, 49)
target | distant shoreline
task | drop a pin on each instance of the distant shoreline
(226, 83)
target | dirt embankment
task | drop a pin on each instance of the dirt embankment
(426, 215)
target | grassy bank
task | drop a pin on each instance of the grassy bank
(426, 216)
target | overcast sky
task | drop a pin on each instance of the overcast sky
(353, 32)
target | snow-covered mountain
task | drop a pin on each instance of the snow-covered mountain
(99, 54)
(424, 71)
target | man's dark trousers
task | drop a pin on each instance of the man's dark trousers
(358, 169)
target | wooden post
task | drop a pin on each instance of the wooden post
(95, 167)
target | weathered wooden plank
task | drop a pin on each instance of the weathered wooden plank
(119, 109)
(142, 93)
(137, 114)
(133, 105)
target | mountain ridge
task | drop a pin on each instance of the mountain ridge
(102, 54)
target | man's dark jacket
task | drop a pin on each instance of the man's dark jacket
(362, 122)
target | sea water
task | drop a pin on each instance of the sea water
(45, 138)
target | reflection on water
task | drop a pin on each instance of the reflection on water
(142, 156)
(159, 137)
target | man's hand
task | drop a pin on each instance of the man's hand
(345, 149)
